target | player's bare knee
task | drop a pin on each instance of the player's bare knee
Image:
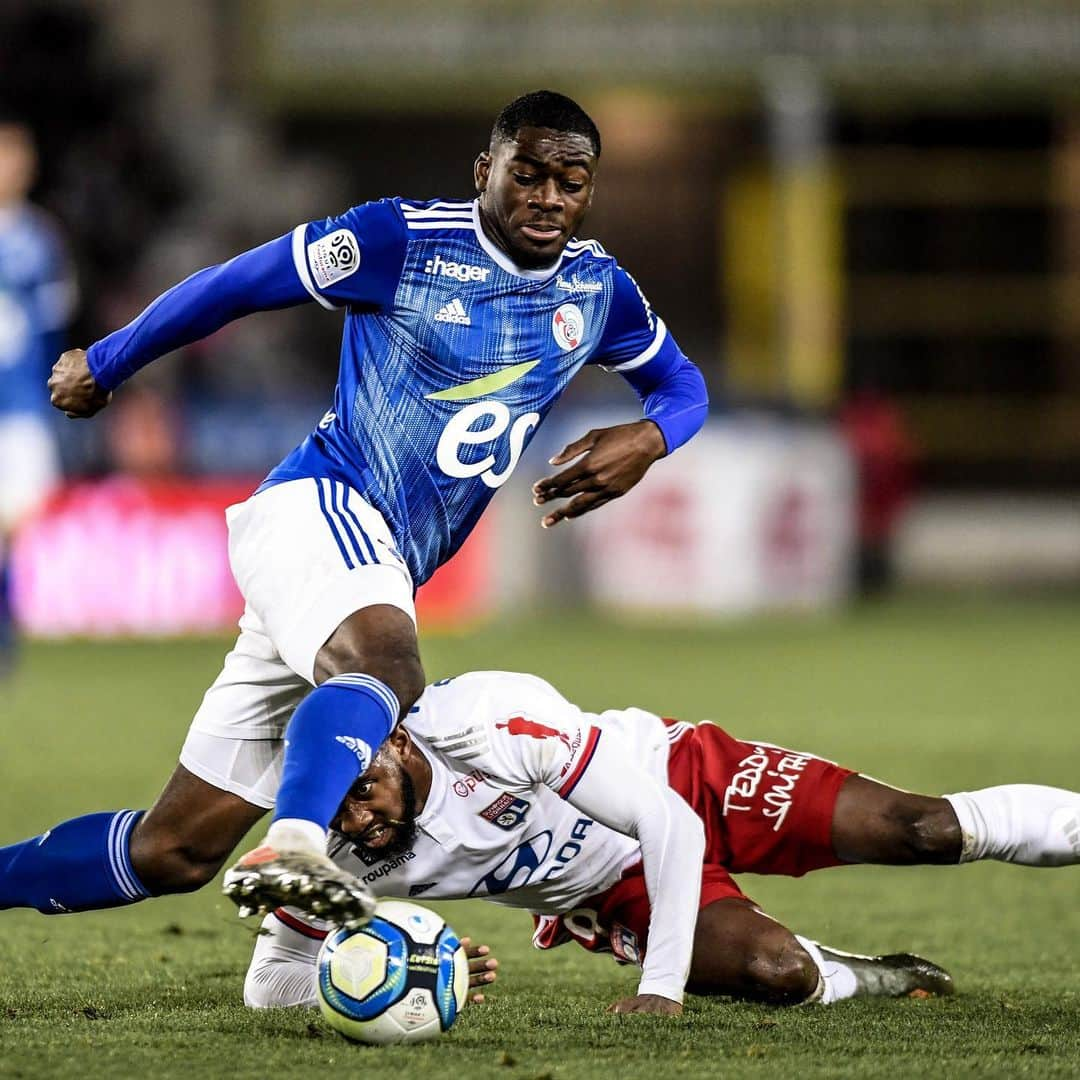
(380, 642)
(404, 675)
(785, 975)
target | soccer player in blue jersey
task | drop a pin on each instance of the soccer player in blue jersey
(37, 294)
(464, 323)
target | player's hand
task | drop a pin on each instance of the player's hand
(610, 462)
(647, 1003)
(482, 967)
(72, 388)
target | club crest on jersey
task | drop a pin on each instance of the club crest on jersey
(333, 257)
(506, 811)
(568, 327)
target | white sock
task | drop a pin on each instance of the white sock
(1019, 823)
(837, 980)
(296, 834)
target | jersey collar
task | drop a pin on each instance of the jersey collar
(502, 259)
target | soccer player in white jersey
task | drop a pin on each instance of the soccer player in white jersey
(37, 295)
(464, 323)
(621, 831)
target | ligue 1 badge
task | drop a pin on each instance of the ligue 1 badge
(568, 327)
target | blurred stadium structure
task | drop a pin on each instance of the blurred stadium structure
(861, 218)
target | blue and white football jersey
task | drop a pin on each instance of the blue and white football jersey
(451, 357)
(37, 294)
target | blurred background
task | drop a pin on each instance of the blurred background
(861, 219)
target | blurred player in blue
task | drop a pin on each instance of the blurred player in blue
(37, 294)
(464, 323)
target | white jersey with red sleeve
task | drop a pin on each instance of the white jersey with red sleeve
(536, 804)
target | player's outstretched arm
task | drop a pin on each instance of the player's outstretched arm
(355, 258)
(282, 969)
(601, 780)
(262, 279)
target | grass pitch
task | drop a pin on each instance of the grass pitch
(942, 695)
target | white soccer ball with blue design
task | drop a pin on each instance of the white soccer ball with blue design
(403, 977)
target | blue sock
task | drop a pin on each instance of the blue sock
(80, 865)
(332, 737)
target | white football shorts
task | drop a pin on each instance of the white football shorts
(306, 555)
(29, 466)
(250, 768)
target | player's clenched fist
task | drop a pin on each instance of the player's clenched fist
(72, 387)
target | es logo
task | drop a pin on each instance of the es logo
(460, 433)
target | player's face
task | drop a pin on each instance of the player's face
(379, 812)
(534, 192)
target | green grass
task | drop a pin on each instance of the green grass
(940, 695)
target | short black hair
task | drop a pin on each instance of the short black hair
(544, 109)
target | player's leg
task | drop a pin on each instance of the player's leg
(183, 840)
(319, 566)
(741, 952)
(1028, 824)
(368, 675)
(769, 810)
(116, 858)
(230, 767)
(368, 661)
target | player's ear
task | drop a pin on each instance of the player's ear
(401, 742)
(482, 170)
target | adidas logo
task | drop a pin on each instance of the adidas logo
(358, 747)
(454, 312)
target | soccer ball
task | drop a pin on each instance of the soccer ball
(403, 977)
